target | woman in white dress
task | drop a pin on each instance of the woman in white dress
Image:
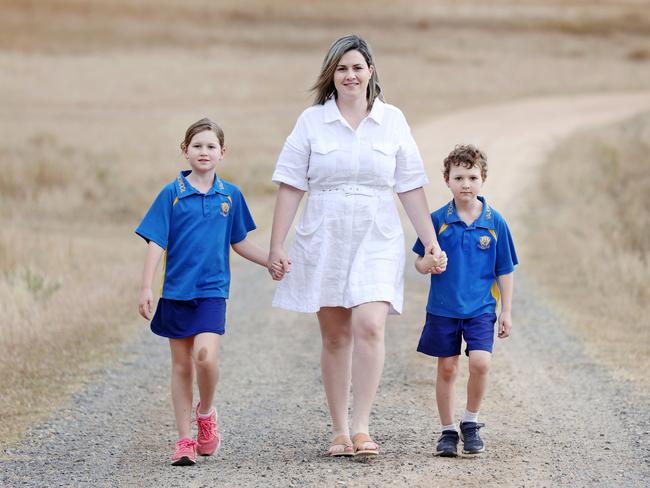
(351, 152)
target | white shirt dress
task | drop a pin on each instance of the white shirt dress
(348, 247)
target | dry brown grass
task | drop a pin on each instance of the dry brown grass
(96, 96)
(589, 240)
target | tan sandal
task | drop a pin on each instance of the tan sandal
(358, 441)
(341, 441)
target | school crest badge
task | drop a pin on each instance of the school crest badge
(225, 208)
(484, 242)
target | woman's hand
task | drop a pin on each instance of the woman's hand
(146, 303)
(278, 264)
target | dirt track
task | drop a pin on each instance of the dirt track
(554, 415)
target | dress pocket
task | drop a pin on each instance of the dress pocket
(383, 155)
(323, 158)
(308, 240)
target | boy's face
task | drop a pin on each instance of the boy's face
(465, 183)
(204, 151)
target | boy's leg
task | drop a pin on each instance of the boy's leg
(181, 384)
(206, 358)
(479, 365)
(445, 380)
(336, 364)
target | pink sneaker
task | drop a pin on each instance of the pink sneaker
(208, 440)
(185, 454)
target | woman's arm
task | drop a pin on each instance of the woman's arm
(417, 209)
(154, 253)
(286, 205)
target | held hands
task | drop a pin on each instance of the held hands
(146, 303)
(434, 259)
(278, 264)
(505, 324)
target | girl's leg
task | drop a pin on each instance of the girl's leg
(206, 359)
(445, 380)
(182, 373)
(479, 365)
(368, 324)
(336, 356)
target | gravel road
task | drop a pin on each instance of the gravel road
(554, 415)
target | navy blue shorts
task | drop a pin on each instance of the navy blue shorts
(442, 336)
(177, 319)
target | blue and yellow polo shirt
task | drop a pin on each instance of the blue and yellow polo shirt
(196, 230)
(476, 254)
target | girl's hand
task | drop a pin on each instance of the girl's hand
(277, 271)
(505, 324)
(146, 303)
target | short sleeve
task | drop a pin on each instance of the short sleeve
(242, 221)
(293, 162)
(409, 167)
(506, 255)
(156, 223)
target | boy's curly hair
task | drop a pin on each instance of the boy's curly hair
(468, 156)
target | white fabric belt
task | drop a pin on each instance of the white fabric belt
(367, 190)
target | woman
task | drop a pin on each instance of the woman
(350, 151)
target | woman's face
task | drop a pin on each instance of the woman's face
(352, 75)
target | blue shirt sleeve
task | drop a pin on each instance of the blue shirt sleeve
(242, 221)
(156, 223)
(506, 255)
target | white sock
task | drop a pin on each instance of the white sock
(449, 427)
(469, 416)
(203, 415)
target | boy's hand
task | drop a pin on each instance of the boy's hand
(278, 264)
(277, 271)
(441, 265)
(146, 303)
(505, 324)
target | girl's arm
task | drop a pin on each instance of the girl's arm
(506, 285)
(154, 253)
(417, 209)
(286, 206)
(251, 251)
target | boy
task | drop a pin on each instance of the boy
(462, 300)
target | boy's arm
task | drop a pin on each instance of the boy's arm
(256, 254)
(506, 285)
(251, 251)
(154, 253)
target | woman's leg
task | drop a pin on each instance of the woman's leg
(182, 373)
(336, 355)
(206, 359)
(368, 324)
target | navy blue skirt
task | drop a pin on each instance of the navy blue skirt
(177, 319)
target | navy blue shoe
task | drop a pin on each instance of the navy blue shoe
(472, 442)
(447, 444)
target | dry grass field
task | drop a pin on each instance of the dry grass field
(596, 224)
(96, 95)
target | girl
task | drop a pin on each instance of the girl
(192, 223)
(351, 152)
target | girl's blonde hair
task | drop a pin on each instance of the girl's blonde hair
(200, 126)
(324, 86)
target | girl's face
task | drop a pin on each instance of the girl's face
(204, 151)
(352, 75)
(465, 183)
